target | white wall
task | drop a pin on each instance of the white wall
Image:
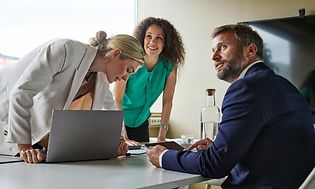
(195, 20)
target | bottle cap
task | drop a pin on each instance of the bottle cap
(210, 92)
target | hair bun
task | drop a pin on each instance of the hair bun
(101, 36)
(99, 40)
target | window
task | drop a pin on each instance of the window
(27, 24)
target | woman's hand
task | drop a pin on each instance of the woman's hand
(123, 148)
(160, 139)
(130, 142)
(162, 135)
(32, 155)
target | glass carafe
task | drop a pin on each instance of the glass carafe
(210, 116)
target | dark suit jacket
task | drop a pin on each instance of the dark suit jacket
(266, 137)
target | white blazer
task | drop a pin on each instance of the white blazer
(44, 80)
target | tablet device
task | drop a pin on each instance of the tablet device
(171, 145)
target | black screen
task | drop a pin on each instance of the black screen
(289, 50)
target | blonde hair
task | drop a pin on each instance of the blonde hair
(130, 46)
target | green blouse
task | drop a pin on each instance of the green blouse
(142, 90)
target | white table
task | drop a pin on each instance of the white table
(126, 172)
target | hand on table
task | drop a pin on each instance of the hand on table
(132, 143)
(123, 147)
(161, 135)
(32, 155)
(154, 153)
(201, 144)
(160, 139)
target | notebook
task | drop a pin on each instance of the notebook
(78, 135)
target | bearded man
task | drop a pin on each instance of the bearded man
(266, 137)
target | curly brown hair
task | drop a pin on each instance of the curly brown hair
(173, 50)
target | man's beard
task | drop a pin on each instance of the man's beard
(232, 68)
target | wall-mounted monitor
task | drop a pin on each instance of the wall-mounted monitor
(289, 48)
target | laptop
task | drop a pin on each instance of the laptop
(79, 135)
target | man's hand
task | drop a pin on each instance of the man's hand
(123, 147)
(154, 153)
(201, 144)
(32, 155)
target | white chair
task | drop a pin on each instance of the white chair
(309, 182)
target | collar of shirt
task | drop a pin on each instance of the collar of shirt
(249, 66)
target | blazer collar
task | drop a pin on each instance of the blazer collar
(243, 73)
(257, 66)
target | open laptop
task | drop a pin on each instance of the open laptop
(78, 135)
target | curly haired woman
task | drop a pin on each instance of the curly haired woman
(164, 56)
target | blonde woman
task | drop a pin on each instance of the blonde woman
(58, 75)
